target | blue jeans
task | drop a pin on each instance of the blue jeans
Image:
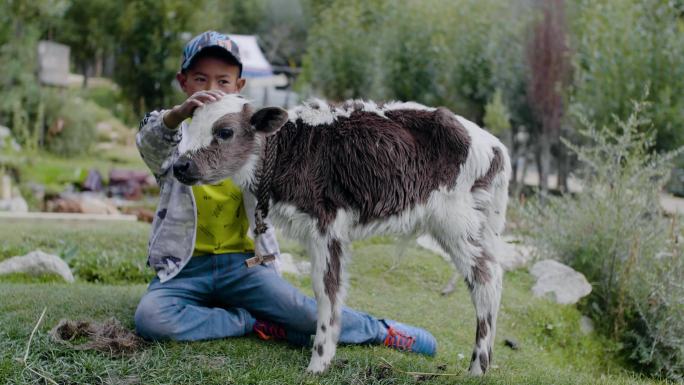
(218, 296)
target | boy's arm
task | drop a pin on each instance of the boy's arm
(159, 133)
(156, 142)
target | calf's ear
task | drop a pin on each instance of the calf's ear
(268, 120)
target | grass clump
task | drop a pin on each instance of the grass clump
(615, 232)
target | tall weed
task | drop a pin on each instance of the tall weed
(614, 232)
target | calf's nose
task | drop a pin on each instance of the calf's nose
(185, 170)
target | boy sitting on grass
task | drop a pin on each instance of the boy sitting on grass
(209, 284)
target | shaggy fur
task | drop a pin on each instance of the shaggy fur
(344, 172)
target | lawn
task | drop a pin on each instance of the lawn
(387, 279)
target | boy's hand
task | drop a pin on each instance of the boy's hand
(177, 114)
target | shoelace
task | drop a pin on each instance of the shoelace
(398, 340)
(266, 331)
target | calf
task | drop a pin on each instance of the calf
(332, 174)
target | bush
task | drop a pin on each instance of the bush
(620, 46)
(453, 54)
(77, 118)
(615, 233)
(111, 98)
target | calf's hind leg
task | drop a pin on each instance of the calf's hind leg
(327, 260)
(483, 276)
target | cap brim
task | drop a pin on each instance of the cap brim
(229, 55)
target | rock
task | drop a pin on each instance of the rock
(93, 181)
(92, 205)
(37, 263)
(512, 343)
(586, 325)
(6, 139)
(6, 190)
(289, 265)
(514, 255)
(16, 203)
(143, 214)
(567, 285)
(86, 203)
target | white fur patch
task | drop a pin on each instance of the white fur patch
(198, 133)
(313, 112)
(406, 106)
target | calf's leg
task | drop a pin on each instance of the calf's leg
(327, 260)
(462, 237)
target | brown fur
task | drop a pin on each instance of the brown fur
(495, 167)
(332, 272)
(481, 273)
(380, 166)
(242, 145)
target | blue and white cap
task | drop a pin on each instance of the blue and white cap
(210, 39)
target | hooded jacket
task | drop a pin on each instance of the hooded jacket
(172, 239)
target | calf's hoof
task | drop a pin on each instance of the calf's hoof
(317, 366)
(479, 365)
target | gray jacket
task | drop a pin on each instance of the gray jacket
(172, 240)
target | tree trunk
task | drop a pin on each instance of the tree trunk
(563, 169)
(544, 161)
(84, 70)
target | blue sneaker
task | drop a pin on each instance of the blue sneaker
(409, 338)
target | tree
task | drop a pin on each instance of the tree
(90, 28)
(548, 58)
(150, 41)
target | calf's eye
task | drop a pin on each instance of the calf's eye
(224, 133)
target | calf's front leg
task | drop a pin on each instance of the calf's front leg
(327, 262)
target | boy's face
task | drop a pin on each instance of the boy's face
(210, 73)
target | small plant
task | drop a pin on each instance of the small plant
(72, 130)
(497, 118)
(614, 232)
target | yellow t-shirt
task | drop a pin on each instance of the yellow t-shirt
(222, 223)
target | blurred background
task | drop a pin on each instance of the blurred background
(588, 95)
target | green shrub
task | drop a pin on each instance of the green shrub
(78, 133)
(497, 119)
(110, 97)
(449, 53)
(620, 46)
(615, 233)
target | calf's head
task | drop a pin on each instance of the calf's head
(224, 140)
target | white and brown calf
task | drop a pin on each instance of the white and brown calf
(359, 169)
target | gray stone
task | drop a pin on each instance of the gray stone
(37, 263)
(6, 139)
(565, 285)
(586, 325)
(15, 203)
(512, 343)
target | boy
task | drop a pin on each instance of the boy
(199, 246)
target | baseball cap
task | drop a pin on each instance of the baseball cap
(210, 39)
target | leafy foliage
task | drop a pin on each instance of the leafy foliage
(615, 233)
(619, 48)
(497, 118)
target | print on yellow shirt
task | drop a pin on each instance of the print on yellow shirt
(222, 223)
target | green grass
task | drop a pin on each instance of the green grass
(101, 252)
(553, 350)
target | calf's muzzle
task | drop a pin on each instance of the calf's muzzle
(185, 170)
